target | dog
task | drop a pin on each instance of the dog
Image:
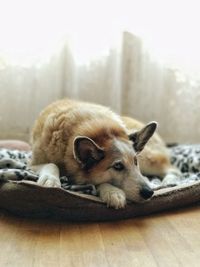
(89, 143)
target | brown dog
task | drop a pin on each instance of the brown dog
(94, 145)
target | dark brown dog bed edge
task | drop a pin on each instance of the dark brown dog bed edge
(31, 200)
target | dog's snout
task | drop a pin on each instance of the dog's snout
(146, 192)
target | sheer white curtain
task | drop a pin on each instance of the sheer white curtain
(141, 58)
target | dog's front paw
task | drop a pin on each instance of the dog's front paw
(114, 199)
(49, 180)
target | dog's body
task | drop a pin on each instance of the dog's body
(94, 145)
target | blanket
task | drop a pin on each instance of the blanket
(14, 166)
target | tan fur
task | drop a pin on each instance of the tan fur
(60, 123)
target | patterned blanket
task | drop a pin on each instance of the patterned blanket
(14, 166)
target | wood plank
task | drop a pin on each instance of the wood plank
(168, 239)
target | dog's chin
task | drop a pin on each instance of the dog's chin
(139, 200)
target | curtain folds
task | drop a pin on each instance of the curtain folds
(126, 77)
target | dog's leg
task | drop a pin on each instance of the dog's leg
(48, 175)
(112, 195)
(172, 176)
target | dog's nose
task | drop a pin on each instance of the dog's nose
(146, 192)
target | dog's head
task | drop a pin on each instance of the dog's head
(115, 161)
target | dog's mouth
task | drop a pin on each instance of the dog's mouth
(137, 193)
(143, 196)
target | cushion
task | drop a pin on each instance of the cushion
(15, 144)
(20, 195)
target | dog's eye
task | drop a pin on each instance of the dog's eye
(118, 166)
(135, 161)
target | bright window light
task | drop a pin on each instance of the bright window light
(32, 31)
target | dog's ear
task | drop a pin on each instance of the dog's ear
(87, 152)
(141, 137)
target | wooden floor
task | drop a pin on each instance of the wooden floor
(168, 239)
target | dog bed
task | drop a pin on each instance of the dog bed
(20, 195)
